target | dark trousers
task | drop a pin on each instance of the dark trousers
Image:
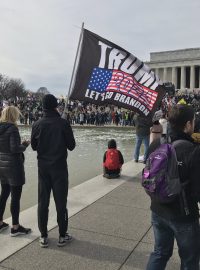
(57, 181)
(15, 192)
(113, 173)
(187, 235)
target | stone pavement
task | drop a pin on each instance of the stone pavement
(114, 232)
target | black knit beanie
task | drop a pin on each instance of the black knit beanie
(112, 144)
(49, 102)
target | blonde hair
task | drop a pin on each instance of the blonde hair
(10, 114)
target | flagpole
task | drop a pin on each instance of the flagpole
(73, 72)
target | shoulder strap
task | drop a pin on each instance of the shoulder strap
(185, 183)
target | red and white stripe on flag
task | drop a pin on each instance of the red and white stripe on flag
(126, 84)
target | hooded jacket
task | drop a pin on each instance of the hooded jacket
(11, 155)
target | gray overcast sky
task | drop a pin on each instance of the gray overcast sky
(39, 37)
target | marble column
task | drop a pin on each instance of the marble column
(192, 77)
(182, 77)
(174, 76)
(157, 72)
(165, 75)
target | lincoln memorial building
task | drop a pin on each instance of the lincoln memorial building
(181, 67)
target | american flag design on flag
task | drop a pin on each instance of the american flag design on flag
(108, 80)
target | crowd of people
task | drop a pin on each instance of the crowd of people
(50, 130)
(177, 219)
(80, 113)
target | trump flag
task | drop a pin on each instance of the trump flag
(108, 74)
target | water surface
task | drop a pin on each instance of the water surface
(84, 162)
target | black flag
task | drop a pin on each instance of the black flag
(108, 74)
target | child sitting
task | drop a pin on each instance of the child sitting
(112, 161)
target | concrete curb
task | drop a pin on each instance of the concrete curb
(79, 198)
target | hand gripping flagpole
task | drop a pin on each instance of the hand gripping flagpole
(73, 73)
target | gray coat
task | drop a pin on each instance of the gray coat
(11, 155)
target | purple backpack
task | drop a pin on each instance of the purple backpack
(160, 177)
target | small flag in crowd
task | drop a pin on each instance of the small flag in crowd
(108, 74)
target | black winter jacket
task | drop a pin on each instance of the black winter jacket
(189, 154)
(11, 155)
(142, 125)
(51, 137)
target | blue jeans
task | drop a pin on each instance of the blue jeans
(139, 140)
(187, 235)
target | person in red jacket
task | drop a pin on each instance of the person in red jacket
(112, 161)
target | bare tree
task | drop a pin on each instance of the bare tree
(11, 88)
(4, 86)
(16, 89)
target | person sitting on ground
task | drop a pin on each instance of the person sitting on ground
(112, 161)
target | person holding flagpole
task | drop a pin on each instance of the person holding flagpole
(51, 137)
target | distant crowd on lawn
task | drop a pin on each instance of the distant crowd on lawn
(81, 113)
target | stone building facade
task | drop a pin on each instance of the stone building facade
(181, 67)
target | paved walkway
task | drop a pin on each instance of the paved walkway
(112, 230)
